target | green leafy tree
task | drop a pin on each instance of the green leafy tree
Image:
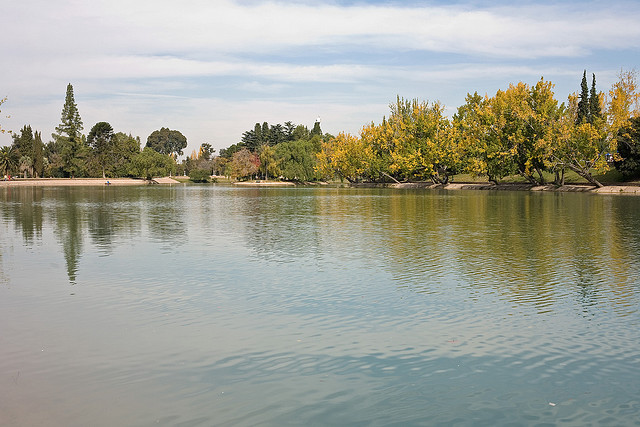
(301, 132)
(629, 149)
(268, 162)
(125, 148)
(149, 164)
(101, 140)
(166, 141)
(297, 160)
(199, 175)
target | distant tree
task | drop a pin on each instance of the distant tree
(100, 139)
(289, 127)
(595, 112)
(218, 165)
(243, 164)
(297, 160)
(206, 151)
(23, 142)
(268, 162)
(71, 124)
(277, 134)
(70, 144)
(125, 148)
(265, 133)
(300, 132)
(38, 155)
(26, 165)
(199, 175)
(166, 141)
(228, 152)
(149, 163)
(74, 153)
(316, 129)
(629, 149)
(583, 103)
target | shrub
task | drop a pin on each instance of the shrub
(199, 175)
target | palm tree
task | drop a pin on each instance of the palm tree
(8, 160)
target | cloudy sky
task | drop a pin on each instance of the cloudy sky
(213, 68)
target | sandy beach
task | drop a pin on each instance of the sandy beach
(76, 182)
(573, 188)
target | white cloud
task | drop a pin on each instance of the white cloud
(195, 64)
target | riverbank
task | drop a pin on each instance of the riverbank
(76, 182)
(573, 188)
(262, 183)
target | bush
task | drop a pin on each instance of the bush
(199, 175)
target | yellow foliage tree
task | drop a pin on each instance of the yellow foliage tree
(346, 156)
(421, 143)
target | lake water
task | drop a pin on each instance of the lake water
(215, 305)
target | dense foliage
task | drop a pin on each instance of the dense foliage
(522, 130)
(629, 149)
(103, 152)
(286, 151)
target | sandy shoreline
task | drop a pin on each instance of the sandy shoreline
(76, 182)
(572, 188)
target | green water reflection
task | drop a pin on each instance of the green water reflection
(216, 305)
(524, 245)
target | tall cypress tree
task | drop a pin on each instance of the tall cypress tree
(38, 155)
(594, 102)
(583, 103)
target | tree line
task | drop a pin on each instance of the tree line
(521, 130)
(281, 151)
(103, 152)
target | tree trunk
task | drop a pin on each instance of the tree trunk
(587, 176)
(559, 179)
(386, 174)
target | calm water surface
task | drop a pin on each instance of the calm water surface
(213, 305)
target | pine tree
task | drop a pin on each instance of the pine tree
(24, 141)
(583, 104)
(594, 102)
(71, 124)
(316, 129)
(71, 144)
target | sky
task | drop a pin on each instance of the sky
(213, 68)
